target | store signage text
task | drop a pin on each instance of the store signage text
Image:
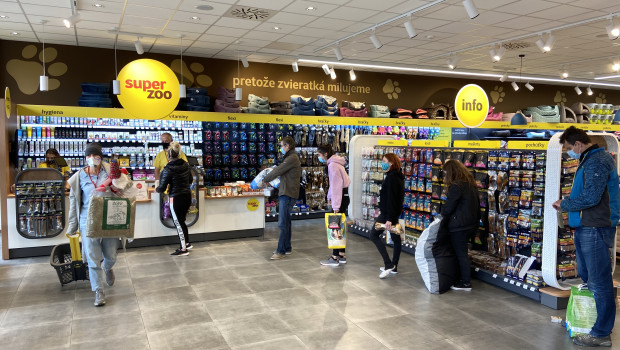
(472, 104)
(312, 85)
(149, 89)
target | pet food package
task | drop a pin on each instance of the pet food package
(259, 178)
(336, 226)
(111, 216)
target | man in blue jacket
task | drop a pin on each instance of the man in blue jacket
(593, 210)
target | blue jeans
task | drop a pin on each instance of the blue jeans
(96, 250)
(594, 266)
(286, 204)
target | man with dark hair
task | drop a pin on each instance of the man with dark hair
(289, 172)
(592, 209)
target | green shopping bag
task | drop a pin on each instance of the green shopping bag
(581, 311)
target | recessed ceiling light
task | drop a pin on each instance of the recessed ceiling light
(429, 37)
(310, 8)
(98, 5)
(14, 33)
(276, 28)
(3, 16)
(195, 18)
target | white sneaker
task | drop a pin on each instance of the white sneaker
(395, 271)
(386, 272)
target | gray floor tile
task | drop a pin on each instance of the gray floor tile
(419, 343)
(542, 333)
(245, 330)
(499, 314)
(38, 314)
(337, 290)
(267, 283)
(115, 304)
(289, 298)
(13, 271)
(123, 286)
(399, 331)
(106, 327)
(155, 268)
(153, 283)
(175, 316)
(43, 293)
(9, 285)
(167, 297)
(53, 335)
(451, 324)
(367, 309)
(492, 339)
(346, 336)
(131, 342)
(221, 290)
(287, 343)
(196, 277)
(194, 336)
(221, 309)
(198, 262)
(315, 318)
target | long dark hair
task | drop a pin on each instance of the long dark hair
(326, 150)
(392, 158)
(456, 172)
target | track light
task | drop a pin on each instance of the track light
(504, 77)
(410, 29)
(452, 62)
(244, 62)
(338, 53)
(515, 86)
(295, 66)
(549, 43)
(529, 86)
(332, 73)
(375, 40)
(541, 44)
(589, 91)
(352, 75)
(471, 9)
(71, 21)
(326, 69)
(139, 47)
(615, 66)
(43, 79)
(238, 94)
(564, 74)
(613, 31)
(578, 90)
(116, 87)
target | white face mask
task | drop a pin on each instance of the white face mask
(93, 162)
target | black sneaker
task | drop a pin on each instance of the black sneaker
(188, 246)
(589, 340)
(180, 252)
(462, 286)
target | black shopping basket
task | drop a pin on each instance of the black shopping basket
(68, 270)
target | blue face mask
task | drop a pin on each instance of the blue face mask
(574, 155)
(321, 160)
(282, 151)
(385, 166)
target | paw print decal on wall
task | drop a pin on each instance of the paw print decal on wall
(391, 89)
(192, 75)
(601, 98)
(26, 72)
(498, 94)
(560, 98)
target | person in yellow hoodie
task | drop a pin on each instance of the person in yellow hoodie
(162, 157)
(50, 162)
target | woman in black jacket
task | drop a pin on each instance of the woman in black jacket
(177, 178)
(462, 213)
(391, 200)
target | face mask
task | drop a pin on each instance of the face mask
(165, 145)
(282, 151)
(93, 162)
(385, 166)
(574, 155)
(51, 161)
(321, 160)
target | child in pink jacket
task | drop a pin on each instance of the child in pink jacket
(337, 195)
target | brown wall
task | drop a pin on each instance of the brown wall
(68, 66)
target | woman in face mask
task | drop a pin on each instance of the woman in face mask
(95, 250)
(337, 195)
(50, 161)
(391, 200)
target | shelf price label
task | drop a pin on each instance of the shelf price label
(477, 144)
(429, 143)
(527, 145)
(392, 143)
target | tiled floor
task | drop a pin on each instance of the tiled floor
(229, 295)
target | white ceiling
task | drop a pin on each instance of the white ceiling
(443, 29)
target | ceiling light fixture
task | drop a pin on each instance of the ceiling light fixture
(116, 84)
(452, 62)
(549, 43)
(195, 18)
(338, 53)
(276, 28)
(352, 75)
(98, 5)
(471, 9)
(3, 16)
(43, 80)
(326, 69)
(564, 74)
(375, 40)
(503, 77)
(239, 90)
(578, 90)
(515, 86)
(71, 21)
(410, 29)
(182, 88)
(295, 66)
(14, 33)
(540, 43)
(332, 73)
(529, 86)
(613, 31)
(310, 8)
(589, 91)
(244, 62)
(615, 66)
(139, 47)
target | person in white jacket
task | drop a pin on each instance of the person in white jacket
(337, 195)
(95, 250)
